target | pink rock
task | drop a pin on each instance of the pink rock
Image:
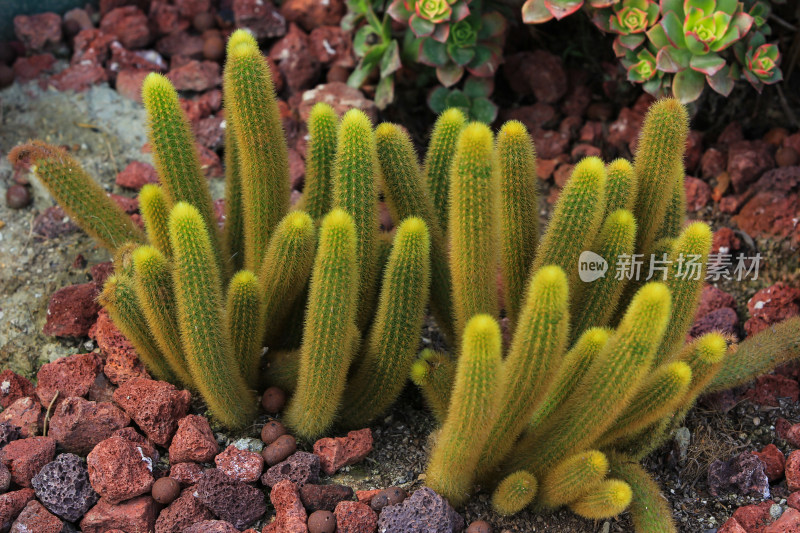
(25, 457)
(210, 163)
(310, 14)
(290, 515)
(13, 387)
(332, 46)
(72, 311)
(698, 193)
(166, 18)
(239, 464)
(211, 526)
(772, 305)
(181, 44)
(731, 134)
(190, 8)
(334, 453)
(260, 17)
(712, 299)
(747, 160)
(122, 363)
(137, 514)
(581, 150)
(770, 213)
(355, 517)
(754, 517)
(770, 387)
(365, 496)
(731, 526)
(186, 473)
(155, 406)
(37, 31)
(80, 17)
(136, 175)
(91, 46)
(789, 522)
(193, 442)
(210, 132)
(774, 461)
(577, 100)
(129, 24)
(788, 431)
(140, 441)
(78, 425)
(338, 95)
(694, 150)
(11, 504)
(538, 72)
(69, 376)
(534, 117)
(295, 60)
(196, 76)
(27, 414)
(725, 241)
(122, 58)
(78, 77)
(185, 511)
(792, 471)
(550, 144)
(29, 68)
(118, 470)
(129, 205)
(129, 83)
(713, 163)
(793, 500)
(34, 517)
(624, 131)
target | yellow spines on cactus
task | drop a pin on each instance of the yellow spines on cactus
(705, 356)
(659, 395)
(620, 186)
(355, 191)
(153, 285)
(318, 187)
(438, 160)
(285, 270)
(233, 231)
(514, 493)
(451, 468)
(330, 336)
(474, 225)
(662, 142)
(577, 217)
(608, 499)
(433, 373)
(610, 382)
(675, 217)
(263, 156)
(280, 369)
(407, 195)
(80, 196)
(600, 298)
(119, 299)
(390, 349)
(650, 510)
(519, 220)
(206, 342)
(685, 280)
(573, 478)
(154, 207)
(244, 318)
(533, 359)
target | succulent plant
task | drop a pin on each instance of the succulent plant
(472, 99)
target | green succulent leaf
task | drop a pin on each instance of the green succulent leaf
(460, 56)
(437, 100)
(721, 82)
(384, 92)
(433, 53)
(420, 26)
(535, 12)
(390, 61)
(478, 87)
(483, 110)
(687, 85)
(708, 64)
(449, 75)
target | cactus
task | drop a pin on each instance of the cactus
(650, 511)
(329, 338)
(608, 499)
(206, 343)
(80, 197)
(244, 319)
(473, 225)
(154, 207)
(516, 160)
(573, 478)
(390, 349)
(233, 231)
(322, 126)
(675, 216)
(433, 373)
(514, 493)
(620, 186)
(451, 468)
(438, 161)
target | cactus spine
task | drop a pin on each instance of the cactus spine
(322, 126)
(650, 511)
(433, 373)
(198, 294)
(451, 468)
(675, 216)
(606, 500)
(519, 216)
(514, 493)
(473, 225)
(329, 338)
(154, 207)
(80, 196)
(573, 478)
(439, 158)
(391, 347)
(620, 186)
(245, 321)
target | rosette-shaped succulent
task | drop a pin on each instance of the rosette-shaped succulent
(760, 62)
(629, 19)
(538, 11)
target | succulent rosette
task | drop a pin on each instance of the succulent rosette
(641, 68)
(629, 19)
(472, 99)
(429, 18)
(760, 61)
(538, 11)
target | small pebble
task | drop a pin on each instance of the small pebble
(279, 450)
(18, 196)
(479, 526)
(166, 490)
(395, 495)
(379, 501)
(273, 400)
(214, 49)
(271, 431)
(321, 522)
(203, 21)
(6, 76)
(786, 156)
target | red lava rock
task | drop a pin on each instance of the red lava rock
(297, 170)
(181, 43)
(193, 441)
(182, 513)
(29, 68)
(562, 175)
(166, 18)
(786, 156)
(26, 414)
(69, 376)
(334, 453)
(78, 77)
(210, 163)
(214, 48)
(238, 503)
(724, 320)
(789, 522)
(747, 160)
(25, 457)
(311, 14)
(8, 432)
(137, 514)
(698, 193)
(11, 504)
(772, 305)
(324, 497)
(770, 387)
(290, 515)
(792, 470)
(770, 213)
(725, 241)
(37, 31)
(694, 150)
(713, 163)
(332, 46)
(577, 100)
(731, 526)
(570, 126)
(129, 24)
(788, 432)
(365, 496)
(155, 406)
(260, 17)
(299, 468)
(295, 60)
(793, 500)
(210, 132)
(136, 175)
(78, 425)
(186, 473)
(742, 474)
(100, 273)
(624, 131)
(119, 470)
(91, 46)
(13, 387)
(129, 205)
(239, 464)
(338, 95)
(34, 517)
(72, 311)
(211, 526)
(190, 8)
(80, 16)
(754, 517)
(538, 72)
(534, 117)
(355, 517)
(774, 461)
(5, 478)
(122, 363)
(550, 144)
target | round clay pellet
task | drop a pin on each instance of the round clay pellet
(18, 196)
(395, 495)
(273, 400)
(214, 49)
(165, 490)
(379, 501)
(279, 450)
(271, 431)
(204, 21)
(321, 522)
(479, 526)
(786, 156)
